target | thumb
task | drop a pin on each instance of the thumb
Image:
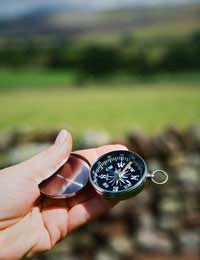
(46, 163)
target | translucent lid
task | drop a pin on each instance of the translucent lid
(68, 180)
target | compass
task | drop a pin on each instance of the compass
(116, 175)
(121, 174)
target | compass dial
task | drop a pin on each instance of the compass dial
(118, 172)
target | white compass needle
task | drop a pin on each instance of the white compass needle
(125, 168)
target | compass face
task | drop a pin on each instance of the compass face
(117, 172)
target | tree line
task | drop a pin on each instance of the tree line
(96, 59)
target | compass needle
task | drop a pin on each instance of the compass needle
(125, 168)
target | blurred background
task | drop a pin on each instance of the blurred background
(110, 71)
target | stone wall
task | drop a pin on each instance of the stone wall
(162, 222)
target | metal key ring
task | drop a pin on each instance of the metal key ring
(155, 173)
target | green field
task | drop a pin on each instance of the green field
(15, 79)
(150, 107)
(46, 79)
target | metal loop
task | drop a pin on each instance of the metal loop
(155, 173)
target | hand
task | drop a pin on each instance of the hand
(30, 223)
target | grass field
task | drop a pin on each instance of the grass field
(15, 79)
(45, 79)
(112, 109)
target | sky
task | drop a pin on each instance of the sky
(11, 8)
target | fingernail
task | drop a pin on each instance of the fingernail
(62, 137)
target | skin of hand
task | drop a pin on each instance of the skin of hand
(31, 223)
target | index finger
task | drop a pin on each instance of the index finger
(92, 154)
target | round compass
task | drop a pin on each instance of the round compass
(119, 174)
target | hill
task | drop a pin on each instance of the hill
(141, 21)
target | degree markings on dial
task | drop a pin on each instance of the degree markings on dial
(105, 185)
(115, 188)
(120, 164)
(135, 177)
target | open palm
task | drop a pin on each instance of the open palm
(30, 223)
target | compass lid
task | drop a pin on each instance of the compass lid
(68, 180)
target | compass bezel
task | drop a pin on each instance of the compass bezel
(125, 192)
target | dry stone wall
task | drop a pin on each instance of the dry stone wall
(162, 222)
